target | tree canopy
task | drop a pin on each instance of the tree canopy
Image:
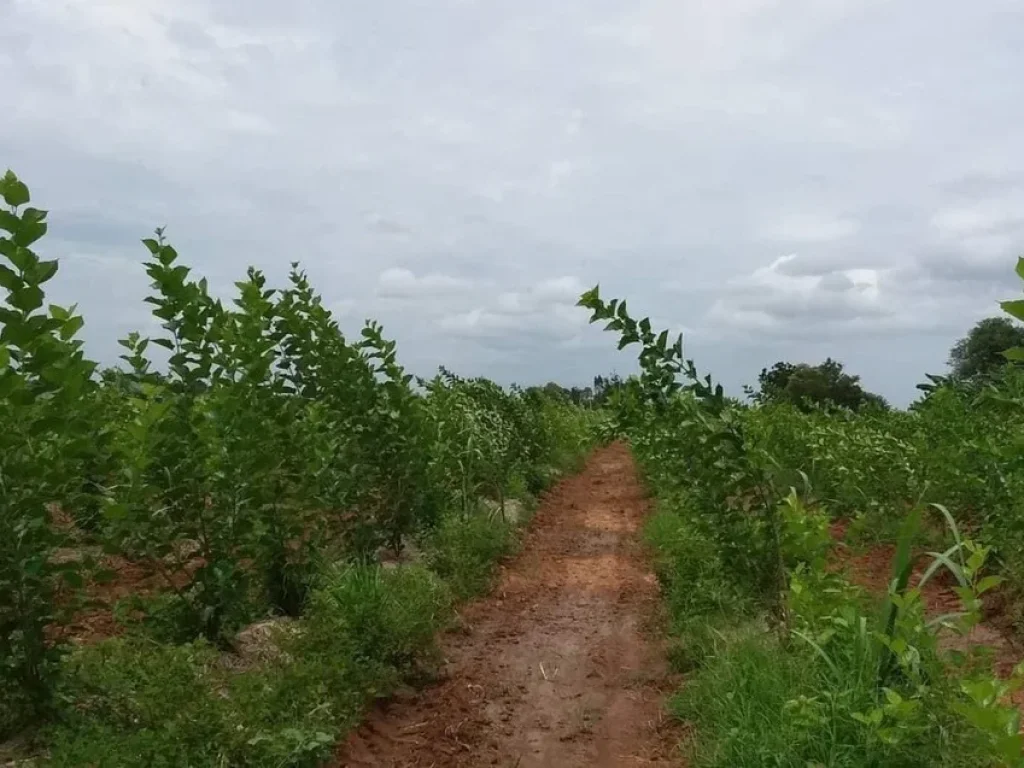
(980, 352)
(806, 386)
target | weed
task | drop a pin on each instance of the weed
(464, 549)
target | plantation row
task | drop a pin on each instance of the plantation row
(789, 663)
(260, 466)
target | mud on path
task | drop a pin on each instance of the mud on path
(557, 667)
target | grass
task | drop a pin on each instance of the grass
(463, 550)
(688, 566)
(757, 702)
(136, 702)
(758, 699)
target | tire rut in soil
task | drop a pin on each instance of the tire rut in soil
(557, 667)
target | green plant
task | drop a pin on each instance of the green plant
(266, 450)
(44, 381)
(463, 550)
(390, 615)
(836, 684)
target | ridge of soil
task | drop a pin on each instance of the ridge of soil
(558, 666)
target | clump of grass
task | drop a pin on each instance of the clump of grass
(464, 550)
(689, 567)
(390, 616)
(133, 702)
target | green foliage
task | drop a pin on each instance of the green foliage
(258, 449)
(690, 437)
(44, 383)
(754, 703)
(464, 549)
(134, 703)
(981, 351)
(789, 665)
(390, 615)
(689, 566)
(807, 386)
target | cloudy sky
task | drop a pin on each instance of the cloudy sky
(780, 179)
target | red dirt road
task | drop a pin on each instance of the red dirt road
(556, 667)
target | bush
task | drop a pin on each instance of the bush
(134, 702)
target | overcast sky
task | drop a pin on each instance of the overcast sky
(780, 179)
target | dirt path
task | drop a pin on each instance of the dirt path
(557, 667)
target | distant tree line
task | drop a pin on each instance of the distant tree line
(594, 396)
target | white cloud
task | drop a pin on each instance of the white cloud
(980, 217)
(546, 310)
(559, 290)
(826, 305)
(810, 227)
(342, 308)
(402, 283)
(502, 158)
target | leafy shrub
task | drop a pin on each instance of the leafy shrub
(267, 443)
(135, 702)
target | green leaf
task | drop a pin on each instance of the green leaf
(9, 278)
(1014, 354)
(988, 583)
(44, 271)
(9, 222)
(14, 191)
(1020, 267)
(22, 258)
(71, 326)
(29, 232)
(114, 511)
(5, 356)
(27, 298)
(33, 215)
(1014, 307)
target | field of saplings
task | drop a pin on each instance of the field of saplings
(220, 550)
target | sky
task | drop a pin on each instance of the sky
(775, 179)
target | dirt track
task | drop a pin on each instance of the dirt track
(556, 667)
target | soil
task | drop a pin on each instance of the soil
(561, 665)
